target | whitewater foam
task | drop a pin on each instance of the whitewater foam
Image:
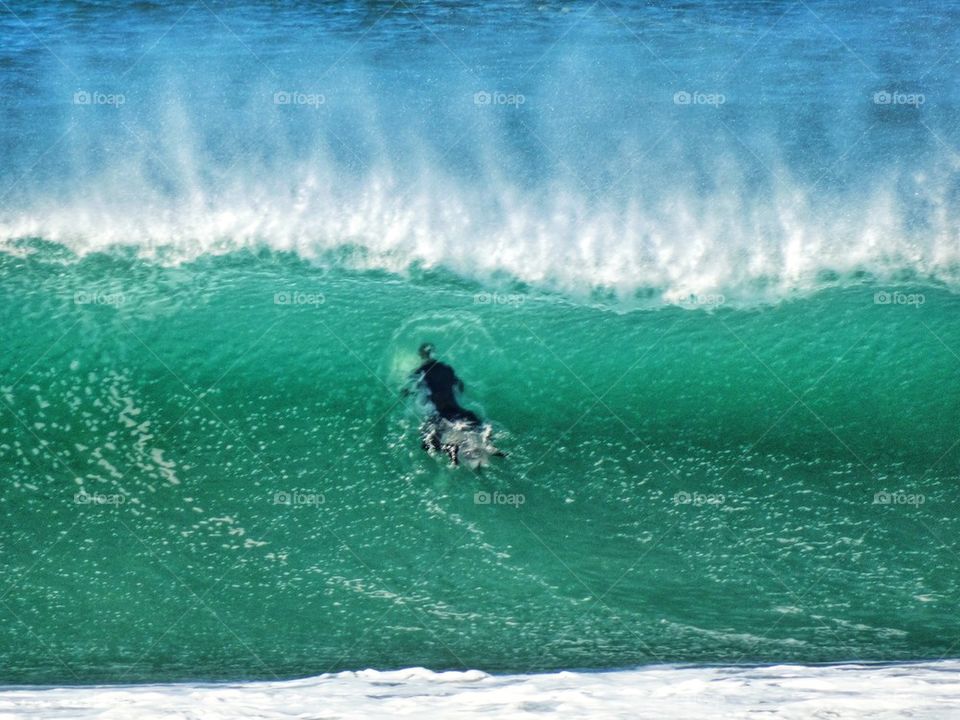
(785, 692)
(734, 248)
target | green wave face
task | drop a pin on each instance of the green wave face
(209, 472)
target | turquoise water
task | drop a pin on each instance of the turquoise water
(697, 263)
(193, 397)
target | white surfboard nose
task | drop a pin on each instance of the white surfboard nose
(466, 444)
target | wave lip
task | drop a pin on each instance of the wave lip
(692, 254)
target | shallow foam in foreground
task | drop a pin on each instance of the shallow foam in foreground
(927, 690)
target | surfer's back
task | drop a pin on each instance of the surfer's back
(440, 381)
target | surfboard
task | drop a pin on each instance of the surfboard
(464, 443)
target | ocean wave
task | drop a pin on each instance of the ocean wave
(565, 178)
(683, 249)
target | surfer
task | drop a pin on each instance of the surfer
(441, 384)
(450, 427)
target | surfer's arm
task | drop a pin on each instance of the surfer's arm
(413, 381)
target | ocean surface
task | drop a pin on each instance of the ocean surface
(698, 264)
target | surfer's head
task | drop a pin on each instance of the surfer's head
(426, 351)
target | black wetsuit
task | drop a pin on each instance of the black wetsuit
(441, 382)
